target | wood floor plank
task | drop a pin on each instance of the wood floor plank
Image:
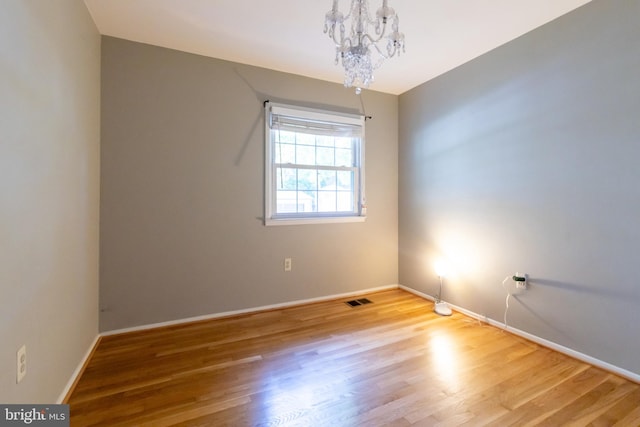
(393, 362)
(632, 418)
(598, 402)
(547, 404)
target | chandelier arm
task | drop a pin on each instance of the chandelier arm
(333, 35)
(380, 52)
(345, 45)
(371, 40)
(334, 38)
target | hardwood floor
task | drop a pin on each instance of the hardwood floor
(392, 362)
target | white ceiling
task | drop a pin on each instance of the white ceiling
(287, 35)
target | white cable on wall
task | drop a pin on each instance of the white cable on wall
(506, 302)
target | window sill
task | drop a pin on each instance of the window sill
(315, 220)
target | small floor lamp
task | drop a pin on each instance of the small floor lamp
(441, 307)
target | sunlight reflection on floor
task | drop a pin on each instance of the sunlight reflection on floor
(286, 398)
(445, 360)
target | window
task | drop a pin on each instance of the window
(314, 166)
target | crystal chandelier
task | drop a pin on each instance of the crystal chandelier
(359, 49)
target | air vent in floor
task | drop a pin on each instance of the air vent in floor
(357, 302)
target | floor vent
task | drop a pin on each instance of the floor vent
(357, 302)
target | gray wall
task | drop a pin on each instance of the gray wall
(49, 173)
(182, 162)
(526, 159)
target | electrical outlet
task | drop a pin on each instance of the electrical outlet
(21, 363)
(521, 283)
(287, 264)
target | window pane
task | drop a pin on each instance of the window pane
(345, 201)
(286, 202)
(305, 139)
(306, 201)
(314, 199)
(324, 141)
(307, 179)
(326, 201)
(325, 156)
(327, 180)
(345, 180)
(344, 157)
(305, 155)
(285, 136)
(285, 153)
(286, 178)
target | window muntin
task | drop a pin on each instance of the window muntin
(314, 166)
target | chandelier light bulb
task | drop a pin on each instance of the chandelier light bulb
(358, 48)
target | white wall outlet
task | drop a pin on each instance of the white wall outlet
(287, 264)
(21, 363)
(521, 284)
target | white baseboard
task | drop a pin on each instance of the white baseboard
(248, 310)
(78, 370)
(632, 376)
(417, 293)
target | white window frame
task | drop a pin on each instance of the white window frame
(311, 115)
